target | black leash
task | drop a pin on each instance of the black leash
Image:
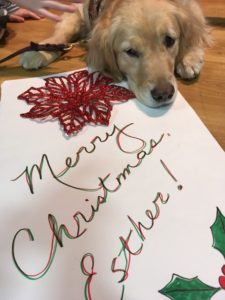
(39, 47)
(95, 7)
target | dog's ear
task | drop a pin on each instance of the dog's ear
(101, 53)
(194, 31)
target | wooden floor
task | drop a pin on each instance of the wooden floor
(206, 95)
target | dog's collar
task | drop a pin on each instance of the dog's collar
(94, 9)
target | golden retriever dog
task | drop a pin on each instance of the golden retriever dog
(142, 41)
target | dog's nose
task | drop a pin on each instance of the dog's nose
(163, 92)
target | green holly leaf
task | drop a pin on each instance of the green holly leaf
(180, 288)
(218, 232)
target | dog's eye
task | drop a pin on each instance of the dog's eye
(132, 52)
(169, 41)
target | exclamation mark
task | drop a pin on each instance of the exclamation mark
(180, 187)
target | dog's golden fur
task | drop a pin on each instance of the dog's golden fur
(144, 41)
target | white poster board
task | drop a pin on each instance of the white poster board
(116, 212)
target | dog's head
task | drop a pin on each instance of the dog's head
(142, 40)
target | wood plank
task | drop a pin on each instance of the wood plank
(213, 8)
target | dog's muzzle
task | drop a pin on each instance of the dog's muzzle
(163, 93)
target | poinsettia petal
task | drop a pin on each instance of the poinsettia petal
(79, 77)
(117, 93)
(33, 95)
(102, 80)
(79, 81)
(71, 122)
(59, 87)
(42, 112)
(98, 112)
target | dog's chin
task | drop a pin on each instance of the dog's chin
(145, 97)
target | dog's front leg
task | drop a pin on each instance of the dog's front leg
(191, 64)
(70, 27)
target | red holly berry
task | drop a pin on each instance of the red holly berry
(222, 282)
(223, 269)
(222, 278)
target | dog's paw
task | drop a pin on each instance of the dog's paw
(191, 65)
(35, 60)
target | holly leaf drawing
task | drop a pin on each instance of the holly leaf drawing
(180, 288)
(218, 232)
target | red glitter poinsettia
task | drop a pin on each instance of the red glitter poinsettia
(75, 100)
